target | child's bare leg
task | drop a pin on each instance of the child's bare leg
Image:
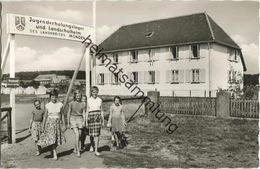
(96, 140)
(76, 133)
(55, 157)
(79, 139)
(82, 139)
(116, 139)
(37, 149)
(92, 143)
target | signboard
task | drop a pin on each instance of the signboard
(36, 26)
(12, 82)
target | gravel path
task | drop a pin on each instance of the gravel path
(22, 154)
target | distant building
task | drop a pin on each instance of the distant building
(174, 55)
(52, 79)
(46, 79)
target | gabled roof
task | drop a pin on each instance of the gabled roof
(188, 29)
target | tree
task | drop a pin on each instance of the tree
(34, 84)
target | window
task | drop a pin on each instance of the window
(233, 55)
(149, 34)
(101, 79)
(195, 76)
(151, 75)
(195, 49)
(175, 53)
(115, 57)
(134, 77)
(175, 76)
(115, 78)
(134, 56)
(230, 76)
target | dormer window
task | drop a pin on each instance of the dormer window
(149, 34)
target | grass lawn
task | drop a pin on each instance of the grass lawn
(198, 142)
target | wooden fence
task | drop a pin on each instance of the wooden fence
(244, 108)
(8, 117)
(189, 105)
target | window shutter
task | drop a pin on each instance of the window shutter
(130, 57)
(111, 78)
(97, 79)
(188, 76)
(169, 54)
(190, 52)
(202, 74)
(140, 58)
(157, 76)
(129, 76)
(157, 53)
(106, 78)
(181, 76)
(146, 77)
(198, 50)
(140, 77)
(168, 76)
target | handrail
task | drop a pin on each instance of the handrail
(6, 109)
(9, 121)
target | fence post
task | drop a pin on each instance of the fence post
(223, 104)
(9, 126)
(154, 97)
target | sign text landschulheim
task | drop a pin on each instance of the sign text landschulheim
(36, 26)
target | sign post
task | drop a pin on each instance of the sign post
(43, 27)
(12, 93)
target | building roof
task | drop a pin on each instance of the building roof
(45, 77)
(188, 29)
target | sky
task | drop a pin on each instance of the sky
(239, 19)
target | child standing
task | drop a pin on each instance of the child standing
(84, 129)
(53, 124)
(35, 124)
(76, 119)
(117, 120)
(95, 118)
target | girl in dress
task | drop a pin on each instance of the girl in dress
(117, 120)
(95, 118)
(35, 124)
(53, 124)
(76, 119)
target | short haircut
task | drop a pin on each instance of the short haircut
(117, 97)
(75, 94)
(54, 92)
(36, 100)
(94, 88)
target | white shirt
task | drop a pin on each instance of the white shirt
(94, 104)
(54, 109)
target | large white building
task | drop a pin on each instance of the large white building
(181, 56)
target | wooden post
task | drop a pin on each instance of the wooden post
(209, 93)
(205, 93)
(93, 58)
(5, 54)
(172, 93)
(190, 93)
(0, 72)
(9, 125)
(12, 92)
(75, 75)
